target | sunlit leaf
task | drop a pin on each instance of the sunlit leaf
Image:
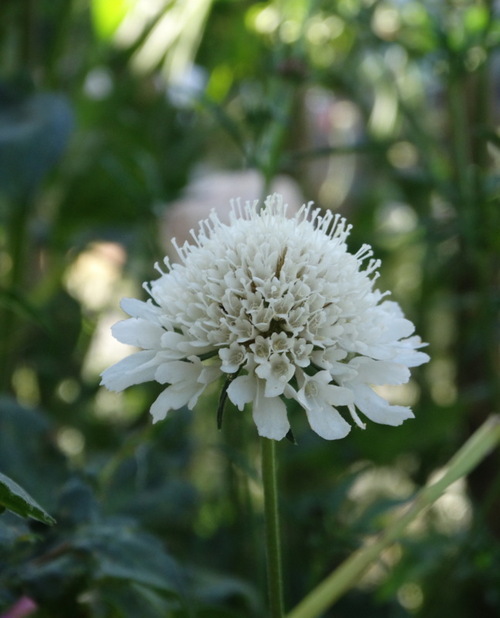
(107, 16)
(476, 19)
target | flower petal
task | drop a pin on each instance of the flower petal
(174, 397)
(232, 357)
(139, 309)
(378, 372)
(378, 409)
(406, 355)
(242, 390)
(327, 422)
(397, 329)
(178, 371)
(316, 397)
(139, 332)
(134, 369)
(269, 414)
(171, 341)
(276, 372)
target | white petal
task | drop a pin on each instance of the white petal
(379, 372)
(139, 332)
(378, 409)
(317, 389)
(178, 371)
(323, 359)
(160, 406)
(174, 397)
(396, 352)
(232, 357)
(269, 414)
(397, 329)
(338, 395)
(377, 351)
(392, 308)
(140, 309)
(209, 373)
(411, 358)
(134, 369)
(316, 397)
(327, 422)
(276, 372)
(171, 341)
(242, 390)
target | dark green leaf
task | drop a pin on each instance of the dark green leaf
(129, 600)
(214, 588)
(34, 131)
(16, 499)
(15, 302)
(123, 552)
(28, 452)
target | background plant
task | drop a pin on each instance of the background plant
(386, 111)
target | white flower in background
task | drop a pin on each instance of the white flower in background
(282, 310)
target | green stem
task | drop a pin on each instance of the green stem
(479, 445)
(273, 542)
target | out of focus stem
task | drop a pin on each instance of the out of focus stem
(479, 445)
(13, 280)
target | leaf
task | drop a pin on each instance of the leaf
(213, 589)
(128, 600)
(15, 302)
(13, 532)
(476, 19)
(34, 131)
(122, 552)
(77, 503)
(107, 16)
(16, 499)
(27, 436)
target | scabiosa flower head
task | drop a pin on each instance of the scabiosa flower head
(282, 310)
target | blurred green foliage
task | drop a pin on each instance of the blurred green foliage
(385, 110)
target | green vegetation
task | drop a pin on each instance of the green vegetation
(114, 113)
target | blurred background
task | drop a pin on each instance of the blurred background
(122, 123)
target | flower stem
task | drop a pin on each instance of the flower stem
(273, 542)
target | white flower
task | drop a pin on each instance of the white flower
(280, 308)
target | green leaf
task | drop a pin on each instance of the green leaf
(130, 599)
(15, 499)
(122, 552)
(212, 589)
(14, 301)
(34, 131)
(476, 19)
(27, 436)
